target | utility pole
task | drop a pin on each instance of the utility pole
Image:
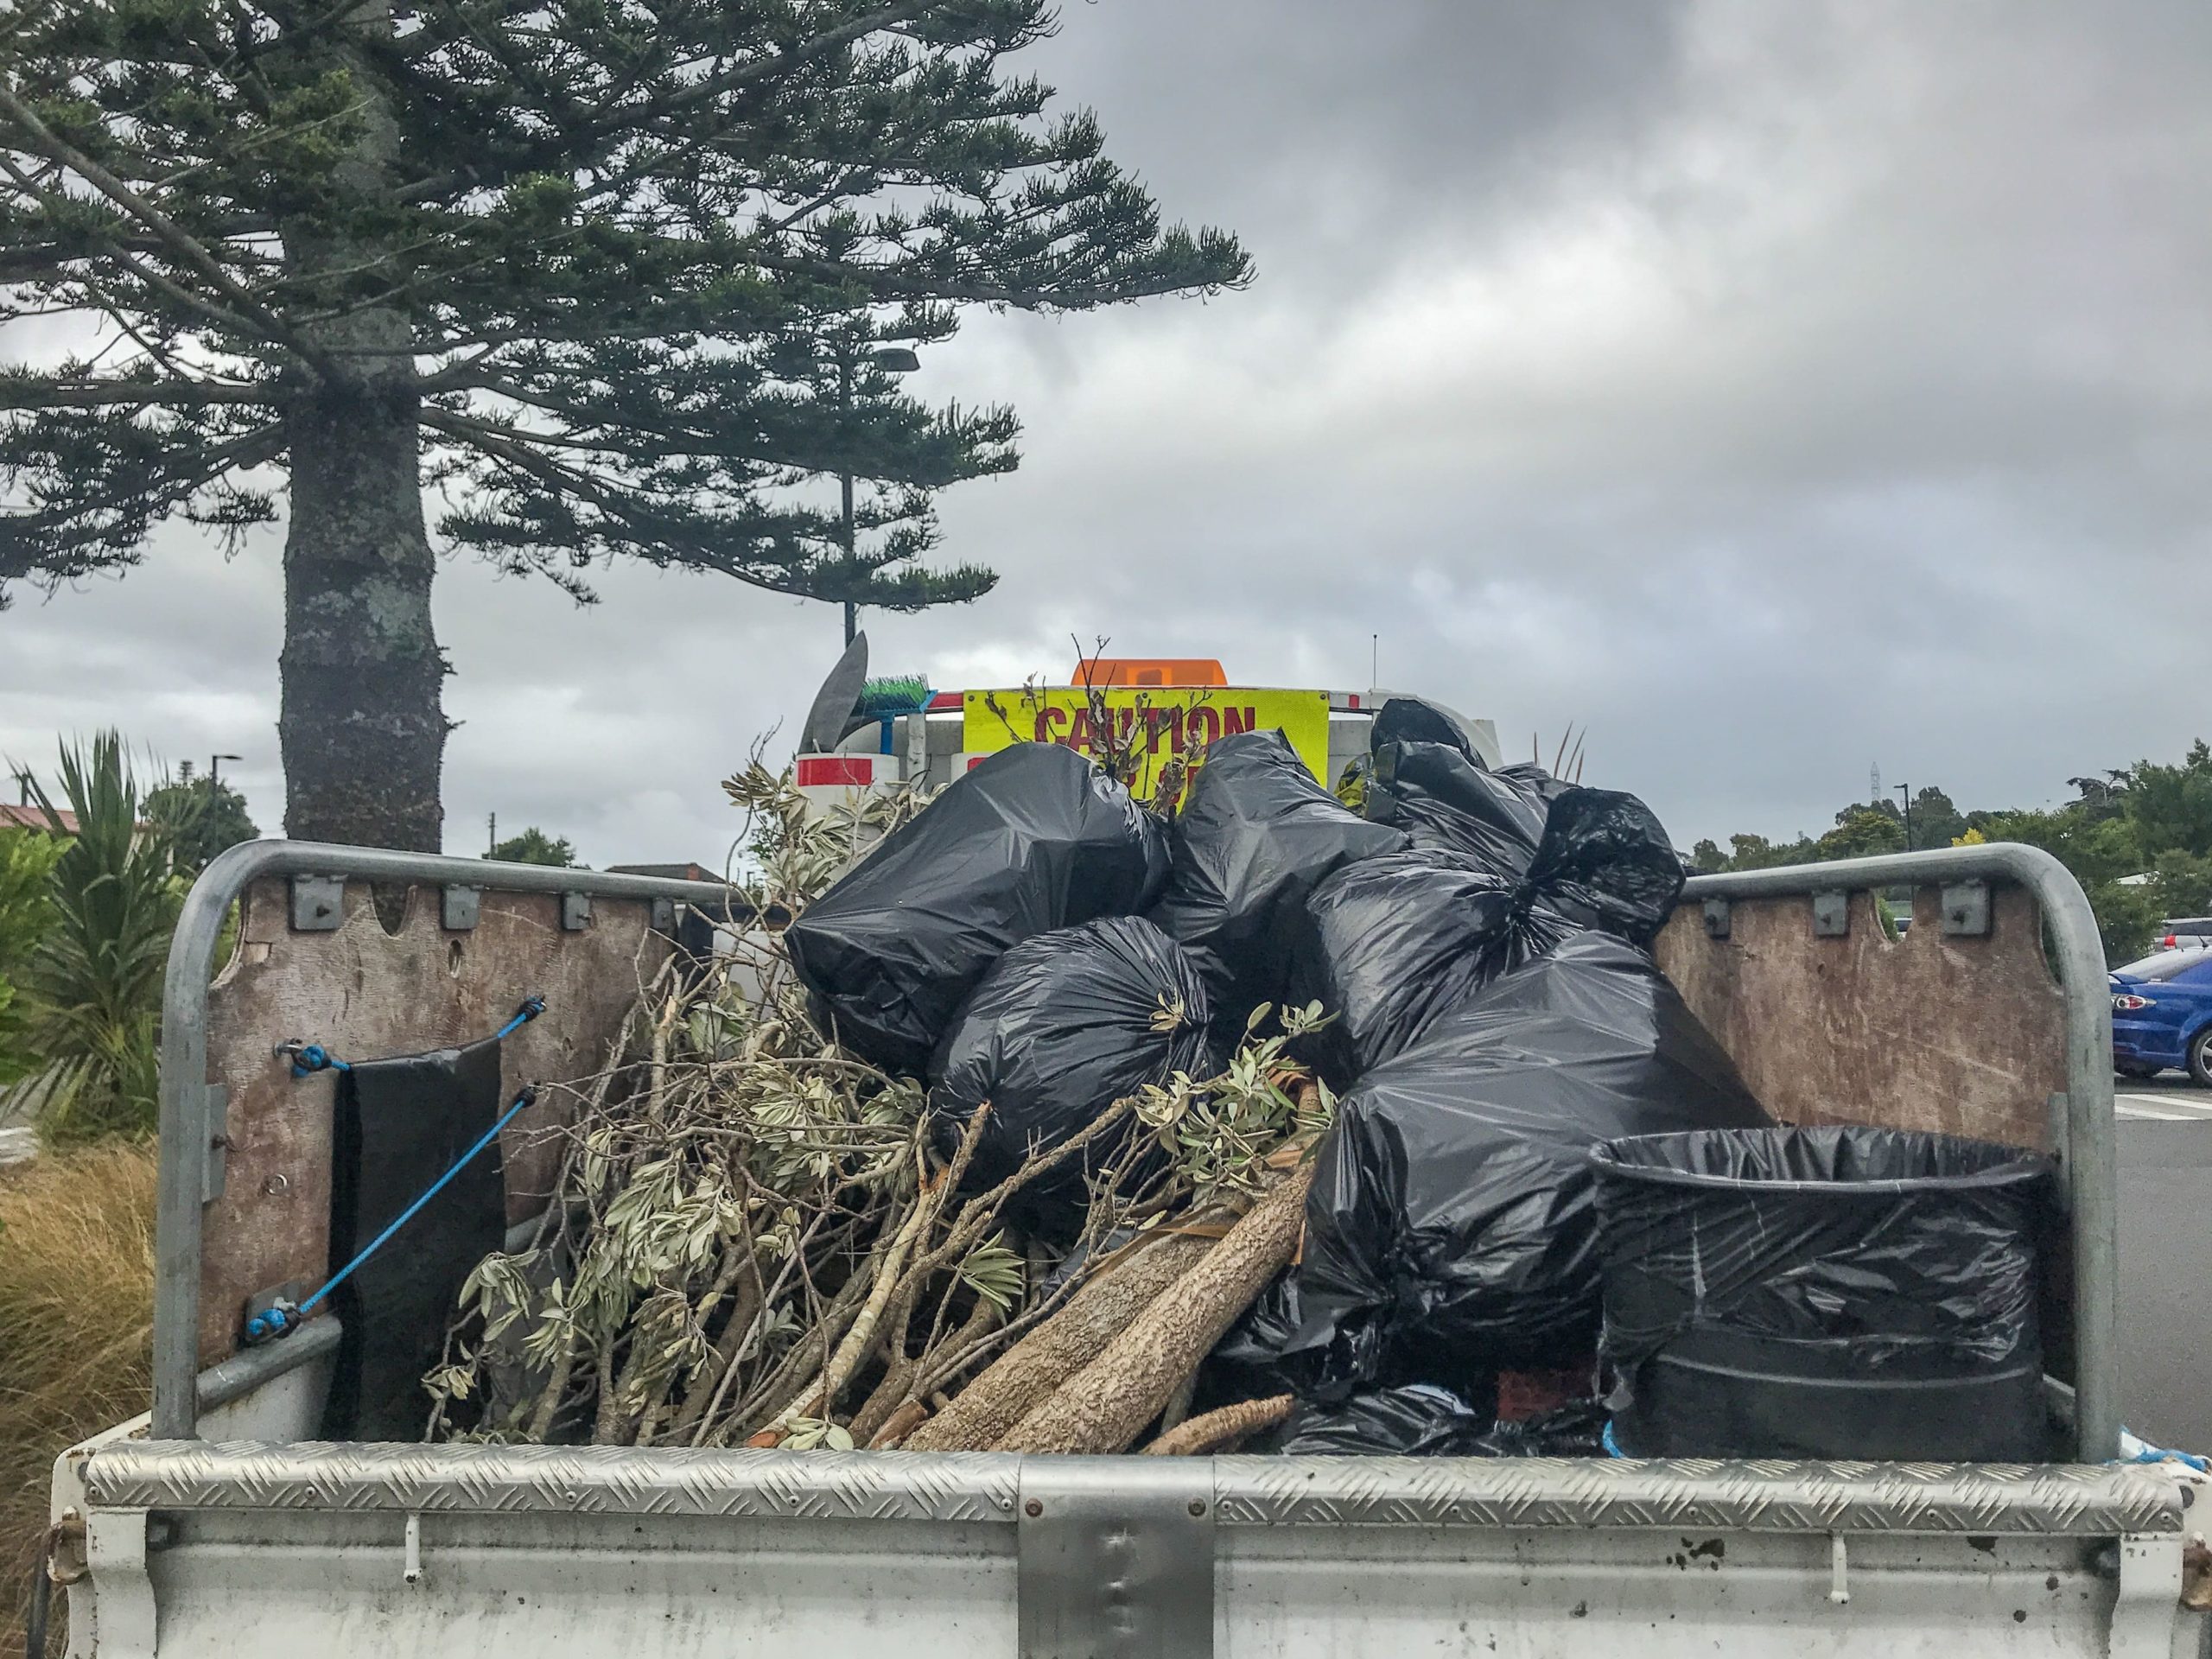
(845, 487)
(1905, 790)
(892, 359)
(491, 833)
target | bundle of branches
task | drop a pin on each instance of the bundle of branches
(754, 1242)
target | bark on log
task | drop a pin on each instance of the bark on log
(1026, 1374)
(1104, 1407)
(1215, 1429)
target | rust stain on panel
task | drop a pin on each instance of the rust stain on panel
(364, 993)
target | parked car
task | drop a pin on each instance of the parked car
(2184, 933)
(2162, 1015)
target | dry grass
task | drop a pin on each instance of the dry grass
(76, 1330)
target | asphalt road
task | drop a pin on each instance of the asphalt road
(2165, 1256)
(2172, 1095)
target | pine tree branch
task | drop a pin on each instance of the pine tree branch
(115, 252)
(184, 246)
(262, 444)
(31, 393)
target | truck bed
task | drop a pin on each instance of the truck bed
(239, 1551)
(218, 1529)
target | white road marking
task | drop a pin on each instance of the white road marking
(2173, 1109)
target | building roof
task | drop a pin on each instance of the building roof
(34, 817)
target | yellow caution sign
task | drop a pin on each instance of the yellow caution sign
(1158, 722)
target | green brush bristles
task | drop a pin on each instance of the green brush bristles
(897, 694)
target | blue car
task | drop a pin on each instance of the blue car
(2162, 1016)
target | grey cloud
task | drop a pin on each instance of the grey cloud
(1772, 388)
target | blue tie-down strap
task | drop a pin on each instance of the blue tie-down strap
(2133, 1449)
(281, 1319)
(308, 1059)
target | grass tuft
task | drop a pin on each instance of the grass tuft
(76, 1330)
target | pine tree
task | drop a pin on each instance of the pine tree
(558, 261)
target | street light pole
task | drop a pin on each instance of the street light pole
(215, 770)
(1905, 790)
(845, 487)
(892, 359)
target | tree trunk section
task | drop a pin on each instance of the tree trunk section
(1105, 1406)
(1024, 1376)
(362, 727)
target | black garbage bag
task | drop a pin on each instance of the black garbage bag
(1062, 1026)
(1605, 861)
(1255, 837)
(1443, 797)
(1389, 944)
(1576, 1429)
(1035, 838)
(1416, 719)
(1450, 1230)
(1252, 1360)
(1417, 1420)
(1825, 1292)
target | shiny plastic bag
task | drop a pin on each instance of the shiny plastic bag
(1441, 796)
(1842, 1292)
(1416, 1420)
(1451, 1230)
(1389, 944)
(1604, 861)
(1035, 838)
(1254, 838)
(1062, 1026)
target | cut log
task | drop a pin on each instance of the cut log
(1026, 1374)
(1105, 1406)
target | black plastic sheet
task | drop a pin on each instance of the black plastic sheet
(1443, 797)
(1416, 719)
(1062, 1026)
(1416, 1420)
(1254, 838)
(1605, 859)
(1389, 944)
(401, 1125)
(1451, 1230)
(1841, 1292)
(1035, 838)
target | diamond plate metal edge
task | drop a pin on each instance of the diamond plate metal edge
(577, 1480)
(2049, 1500)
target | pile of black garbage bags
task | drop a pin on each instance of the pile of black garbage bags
(1037, 939)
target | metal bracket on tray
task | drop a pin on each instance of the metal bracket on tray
(1117, 1557)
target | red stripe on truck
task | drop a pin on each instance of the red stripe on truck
(849, 769)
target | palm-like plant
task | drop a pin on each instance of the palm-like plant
(95, 978)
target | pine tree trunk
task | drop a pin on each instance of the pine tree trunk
(362, 726)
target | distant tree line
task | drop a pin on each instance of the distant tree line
(2138, 838)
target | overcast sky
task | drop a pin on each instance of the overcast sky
(1776, 389)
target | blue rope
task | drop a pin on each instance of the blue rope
(308, 1059)
(282, 1319)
